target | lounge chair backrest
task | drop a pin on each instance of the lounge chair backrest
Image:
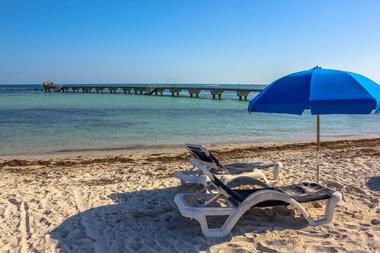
(199, 152)
(204, 155)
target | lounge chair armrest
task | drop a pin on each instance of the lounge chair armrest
(196, 212)
(191, 178)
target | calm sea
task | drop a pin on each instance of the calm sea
(35, 122)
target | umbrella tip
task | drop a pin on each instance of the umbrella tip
(316, 67)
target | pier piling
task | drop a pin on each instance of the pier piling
(195, 92)
(243, 94)
(175, 91)
(217, 93)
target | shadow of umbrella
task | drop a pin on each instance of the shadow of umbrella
(148, 221)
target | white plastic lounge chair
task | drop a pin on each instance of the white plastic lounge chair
(237, 202)
(230, 172)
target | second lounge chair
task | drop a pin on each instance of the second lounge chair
(231, 174)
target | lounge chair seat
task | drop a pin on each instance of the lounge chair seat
(304, 192)
(237, 168)
(227, 172)
(237, 202)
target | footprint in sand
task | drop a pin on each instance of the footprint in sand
(320, 248)
(24, 226)
(80, 199)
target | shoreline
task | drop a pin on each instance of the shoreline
(168, 149)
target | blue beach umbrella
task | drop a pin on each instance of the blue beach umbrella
(322, 91)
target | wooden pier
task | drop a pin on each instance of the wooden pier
(216, 91)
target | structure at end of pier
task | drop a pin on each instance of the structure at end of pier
(48, 86)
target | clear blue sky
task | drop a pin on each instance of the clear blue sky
(213, 41)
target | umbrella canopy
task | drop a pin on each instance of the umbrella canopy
(323, 91)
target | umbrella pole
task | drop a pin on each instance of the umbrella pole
(318, 144)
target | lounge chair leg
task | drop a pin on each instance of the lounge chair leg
(214, 232)
(329, 210)
(276, 171)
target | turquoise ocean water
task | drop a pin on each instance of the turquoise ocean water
(35, 122)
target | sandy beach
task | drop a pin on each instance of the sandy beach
(122, 201)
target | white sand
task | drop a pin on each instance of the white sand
(124, 203)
